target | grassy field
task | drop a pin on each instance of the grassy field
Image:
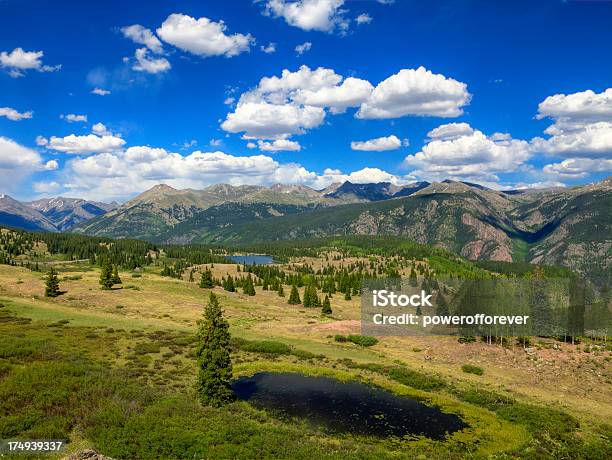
(114, 370)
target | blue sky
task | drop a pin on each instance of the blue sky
(502, 93)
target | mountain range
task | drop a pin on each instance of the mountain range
(555, 226)
(49, 214)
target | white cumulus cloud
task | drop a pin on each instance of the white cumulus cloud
(416, 92)
(279, 145)
(363, 18)
(146, 63)
(321, 15)
(269, 48)
(17, 162)
(18, 61)
(582, 125)
(85, 145)
(379, 144)
(143, 36)
(202, 36)
(100, 92)
(294, 102)
(74, 118)
(471, 156)
(303, 48)
(13, 114)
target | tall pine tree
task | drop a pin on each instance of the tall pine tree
(294, 296)
(52, 284)
(116, 279)
(106, 275)
(213, 353)
(207, 281)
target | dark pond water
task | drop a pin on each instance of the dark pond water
(345, 407)
(253, 259)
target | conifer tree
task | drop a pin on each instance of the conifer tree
(412, 278)
(106, 275)
(115, 276)
(191, 280)
(347, 295)
(52, 284)
(280, 291)
(294, 296)
(248, 287)
(207, 282)
(229, 284)
(326, 307)
(213, 353)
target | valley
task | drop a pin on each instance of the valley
(134, 346)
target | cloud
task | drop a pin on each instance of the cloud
(85, 145)
(17, 162)
(51, 165)
(202, 36)
(363, 18)
(46, 187)
(576, 168)
(272, 121)
(320, 15)
(251, 145)
(303, 48)
(350, 93)
(100, 92)
(270, 48)
(18, 61)
(450, 131)
(294, 102)
(143, 36)
(216, 142)
(124, 173)
(100, 129)
(582, 125)
(416, 92)
(74, 118)
(470, 156)
(13, 114)
(582, 106)
(145, 63)
(379, 144)
(279, 145)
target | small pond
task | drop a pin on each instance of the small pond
(258, 259)
(345, 407)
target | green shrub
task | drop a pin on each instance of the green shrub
(145, 348)
(471, 369)
(466, 339)
(416, 379)
(340, 338)
(362, 340)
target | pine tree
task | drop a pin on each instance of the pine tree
(229, 284)
(326, 308)
(412, 279)
(52, 284)
(106, 275)
(248, 288)
(207, 282)
(280, 291)
(191, 280)
(294, 296)
(347, 295)
(213, 353)
(115, 276)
